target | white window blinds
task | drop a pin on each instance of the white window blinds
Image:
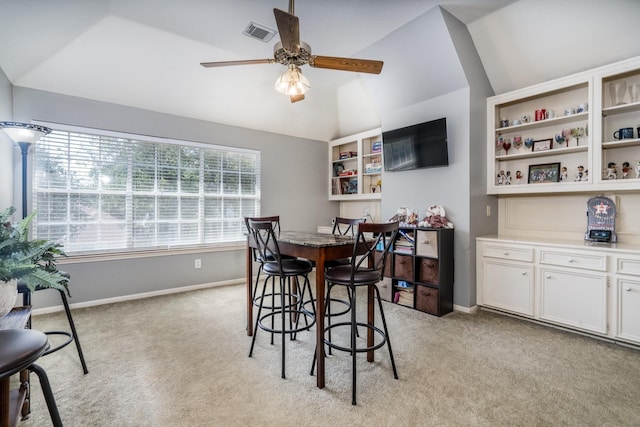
(98, 191)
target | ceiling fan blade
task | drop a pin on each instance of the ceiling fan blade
(346, 64)
(289, 29)
(244, 62)
(296, 98)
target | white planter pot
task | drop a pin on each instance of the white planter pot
(8, 295)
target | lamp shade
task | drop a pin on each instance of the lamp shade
(24, 132)
(292, 82)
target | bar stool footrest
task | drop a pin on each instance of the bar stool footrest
(61, 345)
(376, 346)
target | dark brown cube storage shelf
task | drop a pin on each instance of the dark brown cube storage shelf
(427, 272)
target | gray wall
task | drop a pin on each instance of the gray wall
(6, 150)
(294, 175)
(451, 84)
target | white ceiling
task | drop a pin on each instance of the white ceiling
(146, 53)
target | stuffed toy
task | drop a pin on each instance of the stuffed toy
(436, 218)
(400, 216)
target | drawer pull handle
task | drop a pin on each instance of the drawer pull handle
(548, 276)
(571, 260)
(626, 288)
(524, 273)
(506, 253)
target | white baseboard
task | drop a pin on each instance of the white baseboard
(54, 309)
(468, 310)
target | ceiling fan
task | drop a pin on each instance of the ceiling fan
(293, 53)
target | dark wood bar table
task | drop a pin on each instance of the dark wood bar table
(317, 247)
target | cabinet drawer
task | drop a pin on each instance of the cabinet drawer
(403, 267)
(629, 266)
(427, 299)
(428, 270)
(427, 243)
(565, 259)
(516, 253)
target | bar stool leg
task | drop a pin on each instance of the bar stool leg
(73, 331)
(48, 394)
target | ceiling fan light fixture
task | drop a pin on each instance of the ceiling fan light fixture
(292, 82)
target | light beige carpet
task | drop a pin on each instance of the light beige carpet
(181, 360)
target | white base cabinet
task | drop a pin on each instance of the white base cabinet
(590, 289)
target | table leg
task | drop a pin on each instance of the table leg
(249, 290)
(320, 310)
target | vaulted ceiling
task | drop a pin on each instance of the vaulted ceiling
(146, 53)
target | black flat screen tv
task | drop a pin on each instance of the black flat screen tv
(414, 147)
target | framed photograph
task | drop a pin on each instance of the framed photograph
(353, 186)
(548, 172)
(542, 144)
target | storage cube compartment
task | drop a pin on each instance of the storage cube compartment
(403, 267)
(428, 270)
(387, 264)
(403, 296)
(427, 244)
(427, 299)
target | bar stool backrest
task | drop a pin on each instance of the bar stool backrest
(275, 223)
(373, 242)
(264, 236)
(344, 226)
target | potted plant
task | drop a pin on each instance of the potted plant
(32, 261)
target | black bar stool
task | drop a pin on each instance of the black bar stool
(19, 350)
(285, 302)
(365, 270)
(71, 336)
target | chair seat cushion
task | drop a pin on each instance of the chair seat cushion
(290, 267)
(19, 348)
(342, 275)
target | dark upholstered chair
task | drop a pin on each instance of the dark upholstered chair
(365, 270)
(19, 350)
(71, 335)
(285, 302)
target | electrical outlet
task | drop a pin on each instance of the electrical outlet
(488, 210)
(198, 263)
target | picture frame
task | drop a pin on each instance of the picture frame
(542, 144)
(543, 173)
(353, 186)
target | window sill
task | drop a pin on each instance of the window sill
(73, 259)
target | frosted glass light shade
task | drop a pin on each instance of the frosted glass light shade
(292, 82)
(24, 132)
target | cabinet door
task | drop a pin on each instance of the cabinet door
(508, 286)
(574, 299)
(628, 292)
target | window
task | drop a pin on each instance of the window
(98, 191)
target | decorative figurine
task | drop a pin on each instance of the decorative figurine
(580, 174)
(507, 179)
(518, 177)
(625, 170)
(585, 177)
(436, 218)
(564, 175)
(501, 178)
(612, 172)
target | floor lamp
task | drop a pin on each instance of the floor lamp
(24, 135)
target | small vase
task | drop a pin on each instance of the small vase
(8, 295)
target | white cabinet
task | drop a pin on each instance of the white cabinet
(593, 289)
(574, 298)
(628, 298)
(355, 166)
(508, 286)
(570, 148)
(508, 278)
